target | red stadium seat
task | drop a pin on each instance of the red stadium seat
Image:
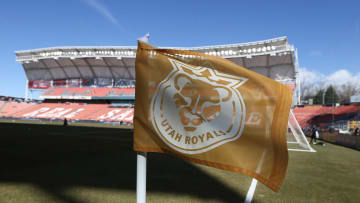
(70, 111)
(323, 114)
(86, 93)
(291, 86)
(305, 114)
(7, 109)
(113, 114)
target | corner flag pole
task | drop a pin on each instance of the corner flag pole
(141, 177)
(141, 161)
(251, 191)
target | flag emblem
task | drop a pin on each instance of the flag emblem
(196, 109)
(208, 110)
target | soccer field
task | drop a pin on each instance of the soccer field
(51, 163)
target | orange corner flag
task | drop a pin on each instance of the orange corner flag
(208, 110)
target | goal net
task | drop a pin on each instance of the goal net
(296, 139)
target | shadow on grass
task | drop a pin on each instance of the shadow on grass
(56, 159)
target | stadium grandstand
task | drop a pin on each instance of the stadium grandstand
(341, 117)
(14, 99)
(97, 84)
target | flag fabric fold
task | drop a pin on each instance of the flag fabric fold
(208, 110)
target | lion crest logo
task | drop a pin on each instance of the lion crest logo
(196, 109)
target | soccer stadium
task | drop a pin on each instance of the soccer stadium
(96, 84)
(85, 111)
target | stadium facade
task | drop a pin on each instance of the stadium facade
(97, 84)
(114, 66)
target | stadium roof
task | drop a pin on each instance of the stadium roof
(274, 58)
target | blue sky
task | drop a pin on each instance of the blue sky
(326, 33)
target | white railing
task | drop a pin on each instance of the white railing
(131, 53)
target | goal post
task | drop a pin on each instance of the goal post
(296, 139)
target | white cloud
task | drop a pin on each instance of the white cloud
(316, 53)
(100, 8)
(338, 78)
(313, 81)
(310, 81)
(310, 77)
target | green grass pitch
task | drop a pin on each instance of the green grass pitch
(51, 163)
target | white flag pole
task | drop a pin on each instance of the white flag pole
(141, 177)
(141, 161)
(145, 38)
(251, 191)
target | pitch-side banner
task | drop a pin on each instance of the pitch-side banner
(208, 110)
